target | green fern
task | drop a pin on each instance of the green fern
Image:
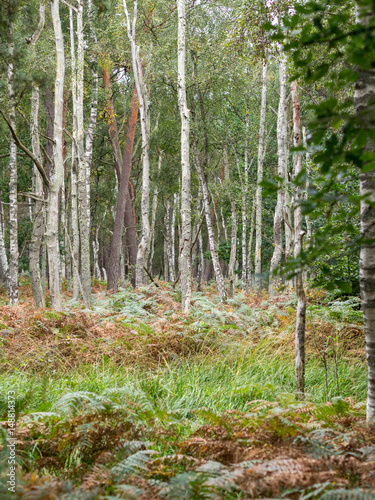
(133, 464)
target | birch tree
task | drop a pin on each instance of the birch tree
(74, 162)
(185, 261)
(298, 239)
(84, 220)
(13, 204)
(142, 96)
(58, 175)
(258, 223)
(3, 254)
(281, 155)
(233, 240)
(38, 222)
(210, 230)
(364, 97)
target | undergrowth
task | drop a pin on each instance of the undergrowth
(134, 400)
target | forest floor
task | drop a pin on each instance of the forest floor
(134, 400)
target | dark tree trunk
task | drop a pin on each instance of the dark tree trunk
(131, 234)
(115, 250)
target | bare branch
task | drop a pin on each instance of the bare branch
(31, 155)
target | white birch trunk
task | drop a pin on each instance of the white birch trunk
(185, 260)
(274, 283)
(53, 206)
(13, 204)
(245, 189)
(173, 233)
(298, 238)
(364, 96)
(233, 245)
(211, 237)
(93, 113)
(166, 274)
(168, 229)
(250, 248)
(83, 182)
(308, 161)
(258, 224)
(151, 246)
(38, 220)
(73, 178)
(142, 96)
(3, 254)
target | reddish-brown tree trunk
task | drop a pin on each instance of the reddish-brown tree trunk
(131, 234)
(115, 250)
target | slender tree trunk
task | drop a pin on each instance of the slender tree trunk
(308, 160)
(173, 232)
(13, 204)
(250, 248)
(245, 189)
(364, 96)
(141, 91)
(93, 112)
(153, 215)
(53, 205)
(3, 255)
(73, 177)
(131, 234)
(116, 241)
(38, 220)
(258, 224)
(185, 261)
(200, 262)
(233, 246)
(166, 273)
(168, 232)
(83, 209)
(274, 283)
(206, 200)
(298, 238)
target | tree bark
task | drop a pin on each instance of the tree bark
(53, 205)
(206, 200)
(233, 245)
(250, 248)
(274, 283)
(245, 189)
(185, 260)
(169, 240)
(151, 248)
(3, 255)
(298, 238)
(38, 221)
(83, 209)
(258, 223)
(73, 176)
(116, 241)
(141, 91)
(131, 234)
(13, 204)
(364, 96)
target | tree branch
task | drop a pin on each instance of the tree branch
(31, 155)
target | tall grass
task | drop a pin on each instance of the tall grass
(218, 382)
